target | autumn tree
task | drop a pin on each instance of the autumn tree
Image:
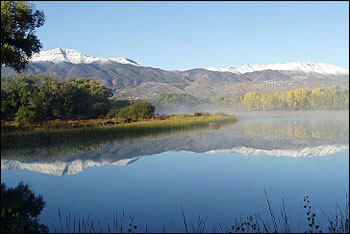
(300, 98)
(332, 98)
(317, 98)
(251, 100)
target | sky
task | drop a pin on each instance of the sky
(183, 35)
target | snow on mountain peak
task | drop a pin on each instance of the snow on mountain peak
(305, 67)
(73, 56)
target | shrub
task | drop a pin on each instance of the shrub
(140, 110)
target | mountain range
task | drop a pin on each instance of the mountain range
(127, 78)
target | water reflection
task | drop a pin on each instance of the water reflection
(279, 135)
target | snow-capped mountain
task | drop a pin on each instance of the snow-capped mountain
(305, 67)
(73, 56)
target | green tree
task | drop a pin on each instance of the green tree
(29, 99)
(19, 20)
(83, 95)
(16, 92)
(20, 209)
(48, 97)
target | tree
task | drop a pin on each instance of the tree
(16, 92)
(267, 101)
(251, 101)
(317, 98)
(81, 97)
(20, 209)
(30, 99)
(18, 40)
(300, 96)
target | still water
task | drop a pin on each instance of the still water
(217, 175)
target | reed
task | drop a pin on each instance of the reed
(338, 222)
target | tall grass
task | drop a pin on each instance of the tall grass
(338, 222)
(36, 143)
(164, 122)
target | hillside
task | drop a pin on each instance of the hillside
(128, 79)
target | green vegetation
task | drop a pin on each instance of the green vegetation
(18, 40)
(31, 99)
(333, 98)
(20, 209)
(35, 99)
(137, 111)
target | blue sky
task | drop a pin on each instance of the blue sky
(181, 35)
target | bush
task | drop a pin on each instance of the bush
(140, 110)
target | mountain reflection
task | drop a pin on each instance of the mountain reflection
(275, 135)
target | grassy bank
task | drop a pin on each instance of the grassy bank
(158, 122)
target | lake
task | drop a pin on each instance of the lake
(216, 176)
